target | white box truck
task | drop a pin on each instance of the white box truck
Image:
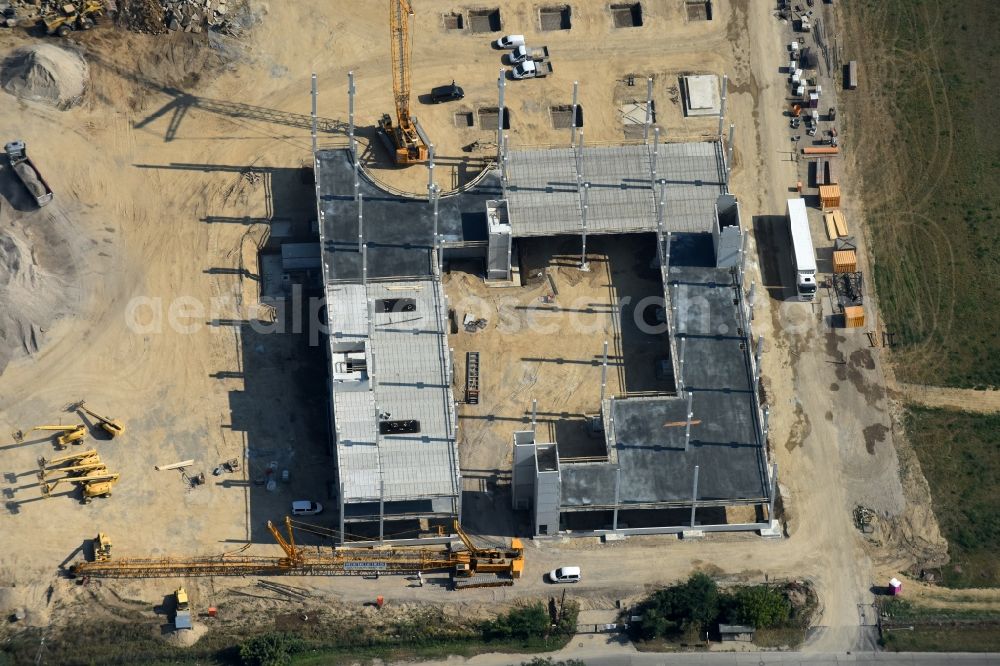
(803, 254)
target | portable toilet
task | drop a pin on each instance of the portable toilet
(895, 587)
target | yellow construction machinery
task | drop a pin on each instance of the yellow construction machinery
(94, 484)
(79, 458)
(74, 433)
(94, 466)
(113, 427)
(182, 610)
(102, 548)
(79, 15)
(472, 567)
(406, 139)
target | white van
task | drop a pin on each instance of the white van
(509, 41)
(565, 575)
(306, 508)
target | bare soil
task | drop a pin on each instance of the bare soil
(154, 172)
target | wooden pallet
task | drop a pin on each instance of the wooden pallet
(472, 378)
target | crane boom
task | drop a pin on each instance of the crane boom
(405, 140)
(400, 22)
(475, 572)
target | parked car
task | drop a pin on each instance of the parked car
(565, 575)
(509, 41)
(306, 508)
(447, 93)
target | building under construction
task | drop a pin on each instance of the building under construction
(688, 459)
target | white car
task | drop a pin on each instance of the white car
(509, 41)
(565, 575)
(306, 508)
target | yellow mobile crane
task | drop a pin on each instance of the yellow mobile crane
(475, 567)
(113, 427)
(407, 139)
(74, 433)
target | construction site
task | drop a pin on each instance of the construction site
(334, 317)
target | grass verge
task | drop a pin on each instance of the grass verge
(959, 454)
(910, 628)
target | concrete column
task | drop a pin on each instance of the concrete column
(572, 125)
(752, 297)
(314, 113)
(680, 362)
(361, 224)
(534, 419)
(656, 153)
(774, 491)
(694, 495)
(341, 498)
(649, 110)
(767, 413)
(583, 251)
(381, 510)
(350, 104)
(430, 171)
(501, 88)
(722, 105)
(729, 154)
(757, 354)
(688, 415)
(435, 197)
(604, 375)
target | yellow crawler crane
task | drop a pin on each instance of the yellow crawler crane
(408, 143)
(113, 427)
(74, 433)
(476, 567)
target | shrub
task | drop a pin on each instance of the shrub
(272, 649)
(531, 621)
(761, 606)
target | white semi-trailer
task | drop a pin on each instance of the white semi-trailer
(803, 253)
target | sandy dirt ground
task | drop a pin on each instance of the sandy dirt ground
(181, 155)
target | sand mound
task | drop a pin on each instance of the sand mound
(45, 73)
(36, 288)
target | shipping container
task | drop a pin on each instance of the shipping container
(819, 172)
(845, 261)
(821, 150)
(854, 316)
(829, 196)
(851, 80)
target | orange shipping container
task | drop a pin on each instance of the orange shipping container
(845, 261)
(821, 150)
(854, 316)
(829, 196)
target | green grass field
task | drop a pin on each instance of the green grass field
(960, 457)
(923, 130)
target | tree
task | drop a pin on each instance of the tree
(762, 606)
(273, 649)
(673, 610)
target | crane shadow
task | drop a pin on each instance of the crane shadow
(182, 102)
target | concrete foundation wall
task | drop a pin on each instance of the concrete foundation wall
(547, 494)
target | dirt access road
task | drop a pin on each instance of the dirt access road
(155, 172)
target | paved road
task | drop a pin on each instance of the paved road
(595, 650)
